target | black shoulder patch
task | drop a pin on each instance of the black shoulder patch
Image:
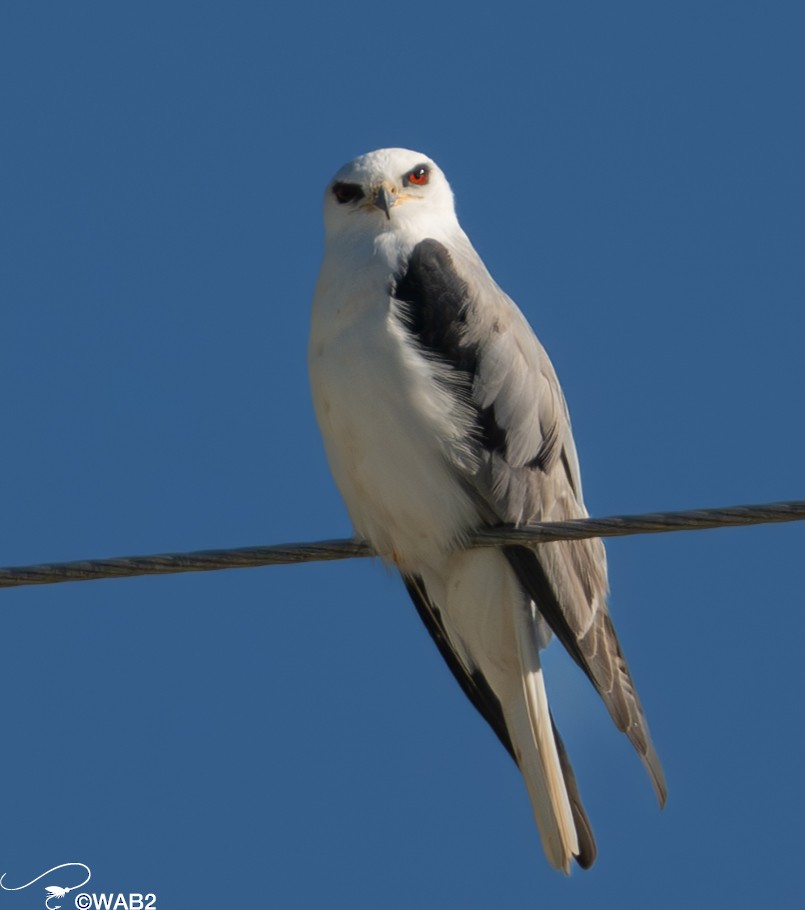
(436, 299)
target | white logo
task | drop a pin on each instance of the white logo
(53, 891)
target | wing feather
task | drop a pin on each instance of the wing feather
(526, 468)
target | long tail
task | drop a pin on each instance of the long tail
(485, 627)
(558, 811)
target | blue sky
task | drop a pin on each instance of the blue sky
(632, 173)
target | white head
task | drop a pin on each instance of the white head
(388, 190)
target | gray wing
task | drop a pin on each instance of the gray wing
(526, 468)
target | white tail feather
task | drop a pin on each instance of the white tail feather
(538, 757)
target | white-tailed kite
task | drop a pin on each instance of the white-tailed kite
(441, 414)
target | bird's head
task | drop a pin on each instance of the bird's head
(388, 189)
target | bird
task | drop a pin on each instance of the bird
(442, 415)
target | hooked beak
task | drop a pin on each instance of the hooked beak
(384, 198)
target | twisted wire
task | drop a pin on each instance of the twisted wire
(285, 554)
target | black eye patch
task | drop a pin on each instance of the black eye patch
(347, 192)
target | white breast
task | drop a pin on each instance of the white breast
(391, 431)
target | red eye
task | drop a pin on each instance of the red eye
(419, 176)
